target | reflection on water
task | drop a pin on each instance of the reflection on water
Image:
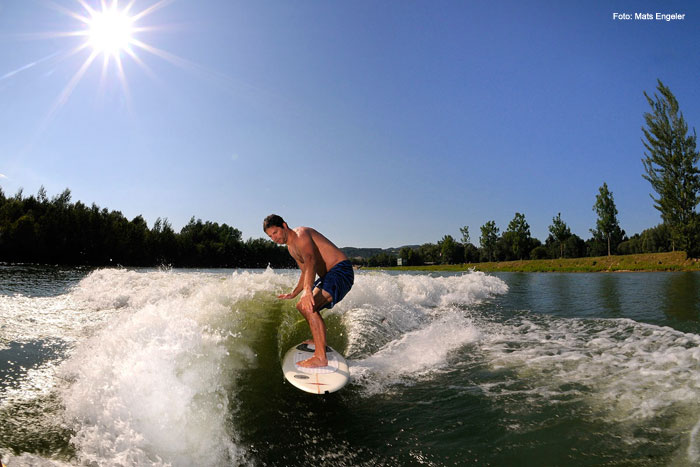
(182, 368)
(664, 298)
(609, 291)
(558, 294)
(681, 295)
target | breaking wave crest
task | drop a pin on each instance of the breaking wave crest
(155, 383)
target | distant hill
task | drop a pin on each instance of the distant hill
(367, 253)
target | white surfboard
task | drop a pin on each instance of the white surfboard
(322, 380)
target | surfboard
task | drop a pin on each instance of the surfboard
(322, 380)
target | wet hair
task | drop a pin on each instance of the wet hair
(273, 220)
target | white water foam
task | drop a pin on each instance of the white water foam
(152, 386)
(403, 327)
(31, 460)
(151, 378)
(26, 319)
(693, 450)
(415, 354)
(635, 371)
(629, 374)
(383, 290)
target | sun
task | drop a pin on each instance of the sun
(110, 31)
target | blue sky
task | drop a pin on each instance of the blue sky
(379, 123)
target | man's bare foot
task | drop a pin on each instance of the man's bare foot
(313, 362)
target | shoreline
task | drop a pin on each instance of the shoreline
(646, 262)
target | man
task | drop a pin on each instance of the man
(315, 255)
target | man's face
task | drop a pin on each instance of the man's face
(277, 235)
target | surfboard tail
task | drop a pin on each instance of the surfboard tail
(321, 380)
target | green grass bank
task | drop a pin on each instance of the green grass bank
(676, 261)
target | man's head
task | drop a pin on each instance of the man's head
(276, 228)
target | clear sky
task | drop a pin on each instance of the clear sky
(380, 123)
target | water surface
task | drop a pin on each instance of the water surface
(150, 367)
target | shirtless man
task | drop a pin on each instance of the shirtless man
(315, 255)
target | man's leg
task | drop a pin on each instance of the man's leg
(318, 329)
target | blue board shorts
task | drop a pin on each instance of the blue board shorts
(337, 282)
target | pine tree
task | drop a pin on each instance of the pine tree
(670, 164)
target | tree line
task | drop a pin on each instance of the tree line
(670, 165)
(36, 229)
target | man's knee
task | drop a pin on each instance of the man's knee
(303, 312)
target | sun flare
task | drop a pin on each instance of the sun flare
(110, 31)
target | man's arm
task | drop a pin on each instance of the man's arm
(309, 257)
(299, 287)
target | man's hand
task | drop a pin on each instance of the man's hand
(287, 296)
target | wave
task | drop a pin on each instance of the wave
(151, 387)
(406, 326)
(628, 375)
(157, 364)
(156, 384)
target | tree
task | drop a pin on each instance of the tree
(560, 231)
(471, 253)
(430, 253)
(41, 195)
(539, 252)
(654, 240)
(465, 235)
(451, 252)
(63, 199)
(607, 225)
(58, 231)
(410, 257)
(575, 247)
(517, 236)
(383, 259)
(489, 237)
(670, 164)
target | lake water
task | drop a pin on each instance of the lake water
(150, 367)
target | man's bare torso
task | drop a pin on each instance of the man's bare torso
(322, 247)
